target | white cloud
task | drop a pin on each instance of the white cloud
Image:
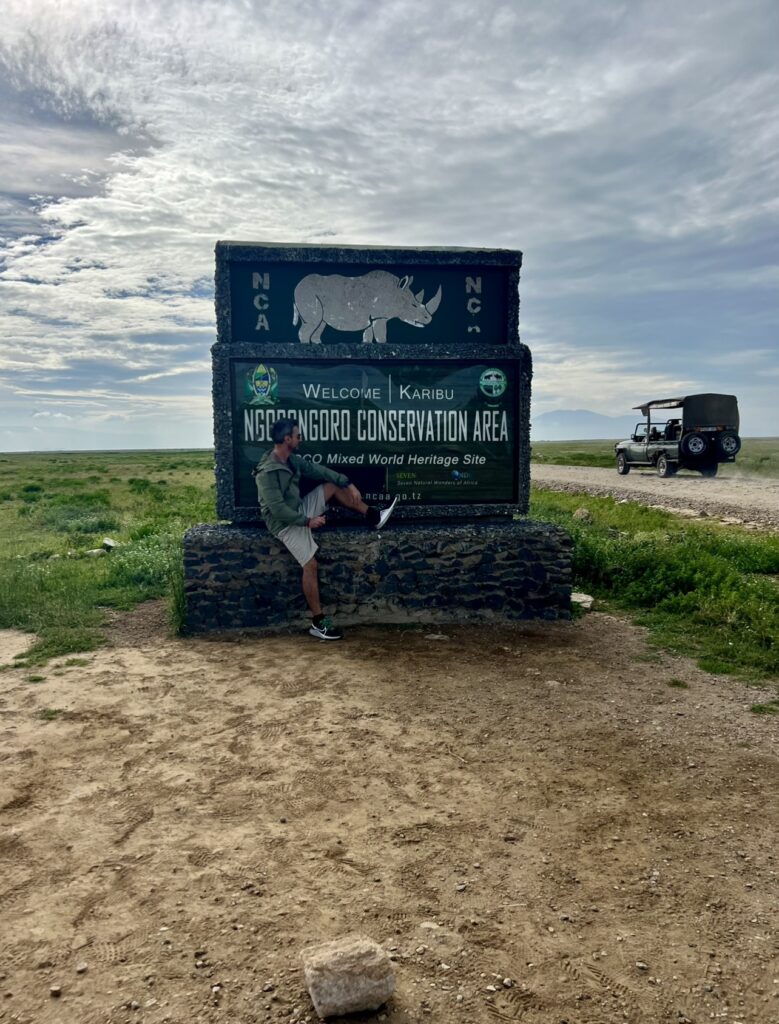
(628, 149)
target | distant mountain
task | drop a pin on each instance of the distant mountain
(581, 425)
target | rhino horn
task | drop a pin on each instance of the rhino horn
(435, 302)
(420, 296)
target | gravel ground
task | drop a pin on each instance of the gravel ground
(751, 500)
(540, 823)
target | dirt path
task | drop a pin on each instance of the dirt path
(536, 804)
(748, 499)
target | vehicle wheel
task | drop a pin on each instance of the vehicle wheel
(622, 464)
(729, 442)
(663, 466)
(710, 471)
(694, 445)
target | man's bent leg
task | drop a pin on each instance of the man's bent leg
(311, 587)
(345, 497)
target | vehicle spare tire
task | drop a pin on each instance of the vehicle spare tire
(694, 446)
(729, 443)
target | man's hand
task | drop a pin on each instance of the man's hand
(316, 521)
(354, 492)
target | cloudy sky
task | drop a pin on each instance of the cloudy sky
(630, 149)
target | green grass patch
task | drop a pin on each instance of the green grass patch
(574, 453)
(36, 679)
(678, 684)
(765, 709)
(701, 588)
(64, 599)
(72, 662)
(50, 714)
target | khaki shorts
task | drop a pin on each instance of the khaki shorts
(299, 540)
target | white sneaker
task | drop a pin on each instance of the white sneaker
(386, 513)
(325, 630)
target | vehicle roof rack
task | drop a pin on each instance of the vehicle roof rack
(660, 403)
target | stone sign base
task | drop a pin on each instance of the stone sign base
(243, 578)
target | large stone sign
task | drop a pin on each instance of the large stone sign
(405, 371)
(427, 398)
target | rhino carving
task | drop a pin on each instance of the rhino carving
(358, 304)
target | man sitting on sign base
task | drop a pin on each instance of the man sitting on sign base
(292, 518)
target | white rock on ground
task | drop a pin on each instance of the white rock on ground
(347, 975)
(584, 600)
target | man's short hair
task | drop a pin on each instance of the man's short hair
(282, 428)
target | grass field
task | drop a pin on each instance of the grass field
(702, 588)
(759, 455)
(54, 508)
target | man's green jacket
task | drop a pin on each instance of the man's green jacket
(278, 488)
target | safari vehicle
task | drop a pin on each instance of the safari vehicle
(703, 436)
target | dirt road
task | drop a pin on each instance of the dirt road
(541, 823)
(749, 499)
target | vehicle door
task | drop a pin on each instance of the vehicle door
(637, 449)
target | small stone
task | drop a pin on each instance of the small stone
(96, 553)
(584, 601)
(508, 983)
(491, 988)
(461, 887)
(55, 991)
(267, 988)
(348, 975)
(109, 544)
(641, 965)
(82, 968)
(582, 515)
(134, 1004)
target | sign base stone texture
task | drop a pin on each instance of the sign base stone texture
(242, 578)
(348, 975)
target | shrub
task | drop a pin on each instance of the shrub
(145, 563)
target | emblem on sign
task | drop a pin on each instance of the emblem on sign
(493, 382)
(263, 386)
